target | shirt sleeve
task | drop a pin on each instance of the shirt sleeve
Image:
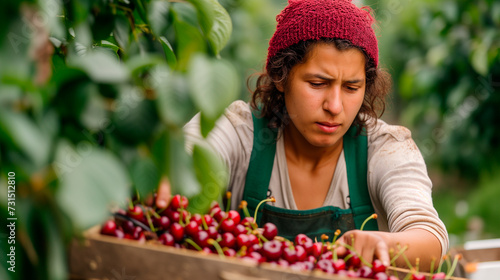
(399, 185)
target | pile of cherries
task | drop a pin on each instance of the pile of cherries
(228, 234)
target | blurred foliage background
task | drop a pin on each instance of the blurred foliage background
(94, 93)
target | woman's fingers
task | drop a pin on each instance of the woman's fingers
(367, 244)
(163, 194)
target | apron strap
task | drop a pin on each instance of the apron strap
(261, 164)
(356, 158)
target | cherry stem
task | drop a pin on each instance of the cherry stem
(336, 235)
(335, 253)
(150, 222)
(205, 226)
(130, 204)
(448, 263)
(452, 269)
(217, 247)
(417, 264)
(441, 263)
(243, 205)
(372, 216)
(401, 251)
(228, 204)
(432, 265)
(359, 256)
(192, 243)
(272, 199)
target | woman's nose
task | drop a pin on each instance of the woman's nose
(333, 101)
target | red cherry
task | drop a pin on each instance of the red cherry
(163, 222)
(219, 215)
(109, 228)
(354, 261)
(270, 231)
(256, 256)
(272, 250)
(166, 239)
(352, 273)
(197, 218)
(234, 215)
(365, 272)
(248, 222)
(201, 238)
(227, 225)
(208, 219)
(317, 249)
(243, 240)
(328, 255)
(174, 216)
(212, 232)
(418, 277)
(228, 240)
(301, 239)
(179, 201)
(381, 276)
(177, 231)
(192, 228)
(440, 275)
(378, 266)
(325, 265)
(290, 255)
(240, 229)
(339, 265)
(229, 252)
(137, 232)
(253, 239)
(301, 253)
(119, 233)
(206, 250)
(136, 212)
(255, 248)
(308, 245)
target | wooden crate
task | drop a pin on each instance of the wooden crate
(104, 257)
(480, 263)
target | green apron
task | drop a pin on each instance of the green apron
(313, 222)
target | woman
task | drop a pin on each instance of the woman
(311, 138)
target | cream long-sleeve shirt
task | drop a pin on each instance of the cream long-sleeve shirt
(399, 186)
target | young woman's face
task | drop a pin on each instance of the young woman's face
(324, 94)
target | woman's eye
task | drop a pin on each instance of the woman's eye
(352, 88)
(316, 84)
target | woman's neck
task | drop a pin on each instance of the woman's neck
(300, 151)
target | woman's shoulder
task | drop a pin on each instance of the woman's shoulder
(391, 140)
(380, 128)
(239, 113)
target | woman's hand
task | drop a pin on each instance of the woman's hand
(368, 244)
(163, 195)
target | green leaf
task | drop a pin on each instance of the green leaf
(138, 63)
(158, 16)
(19, 132)
(90, 180)
(171, 157)
(101, 67)
(145, 176)
(212, 175)
(479, 60)
(189, 39)
(169, 52)
(140, 8)
(56, 256)
(215, 23)
(121, 33)
(109, 45)
(172, 90)
(214, 85)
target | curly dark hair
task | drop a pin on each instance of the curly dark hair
(271, 102)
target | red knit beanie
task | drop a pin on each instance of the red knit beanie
(314, 19)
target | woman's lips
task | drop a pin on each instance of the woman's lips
(328, 127)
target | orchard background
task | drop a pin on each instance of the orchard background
(94, 94)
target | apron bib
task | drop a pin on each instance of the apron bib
(313, 222)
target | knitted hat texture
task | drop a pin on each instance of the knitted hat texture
(314, 19)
